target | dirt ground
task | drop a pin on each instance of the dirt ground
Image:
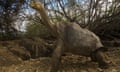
(70, 63)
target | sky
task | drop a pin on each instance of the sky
(29, 11)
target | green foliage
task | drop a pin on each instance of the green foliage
(37, 30)
(60, 19)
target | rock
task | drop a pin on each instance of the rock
(21, 52)
(37, 47)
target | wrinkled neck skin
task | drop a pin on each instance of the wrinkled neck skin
(38, 7)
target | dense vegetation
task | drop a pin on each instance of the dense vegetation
(102, 17)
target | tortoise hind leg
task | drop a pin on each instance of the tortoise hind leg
(100, 57)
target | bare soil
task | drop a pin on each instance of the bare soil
(9, 62)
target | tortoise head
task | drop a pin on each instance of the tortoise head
(35, 5)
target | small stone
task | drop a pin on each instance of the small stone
(83, 71)
(99, 69)
(114, 70)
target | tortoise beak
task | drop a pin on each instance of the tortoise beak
(32, 4)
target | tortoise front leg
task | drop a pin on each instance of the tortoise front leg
(56, 57)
